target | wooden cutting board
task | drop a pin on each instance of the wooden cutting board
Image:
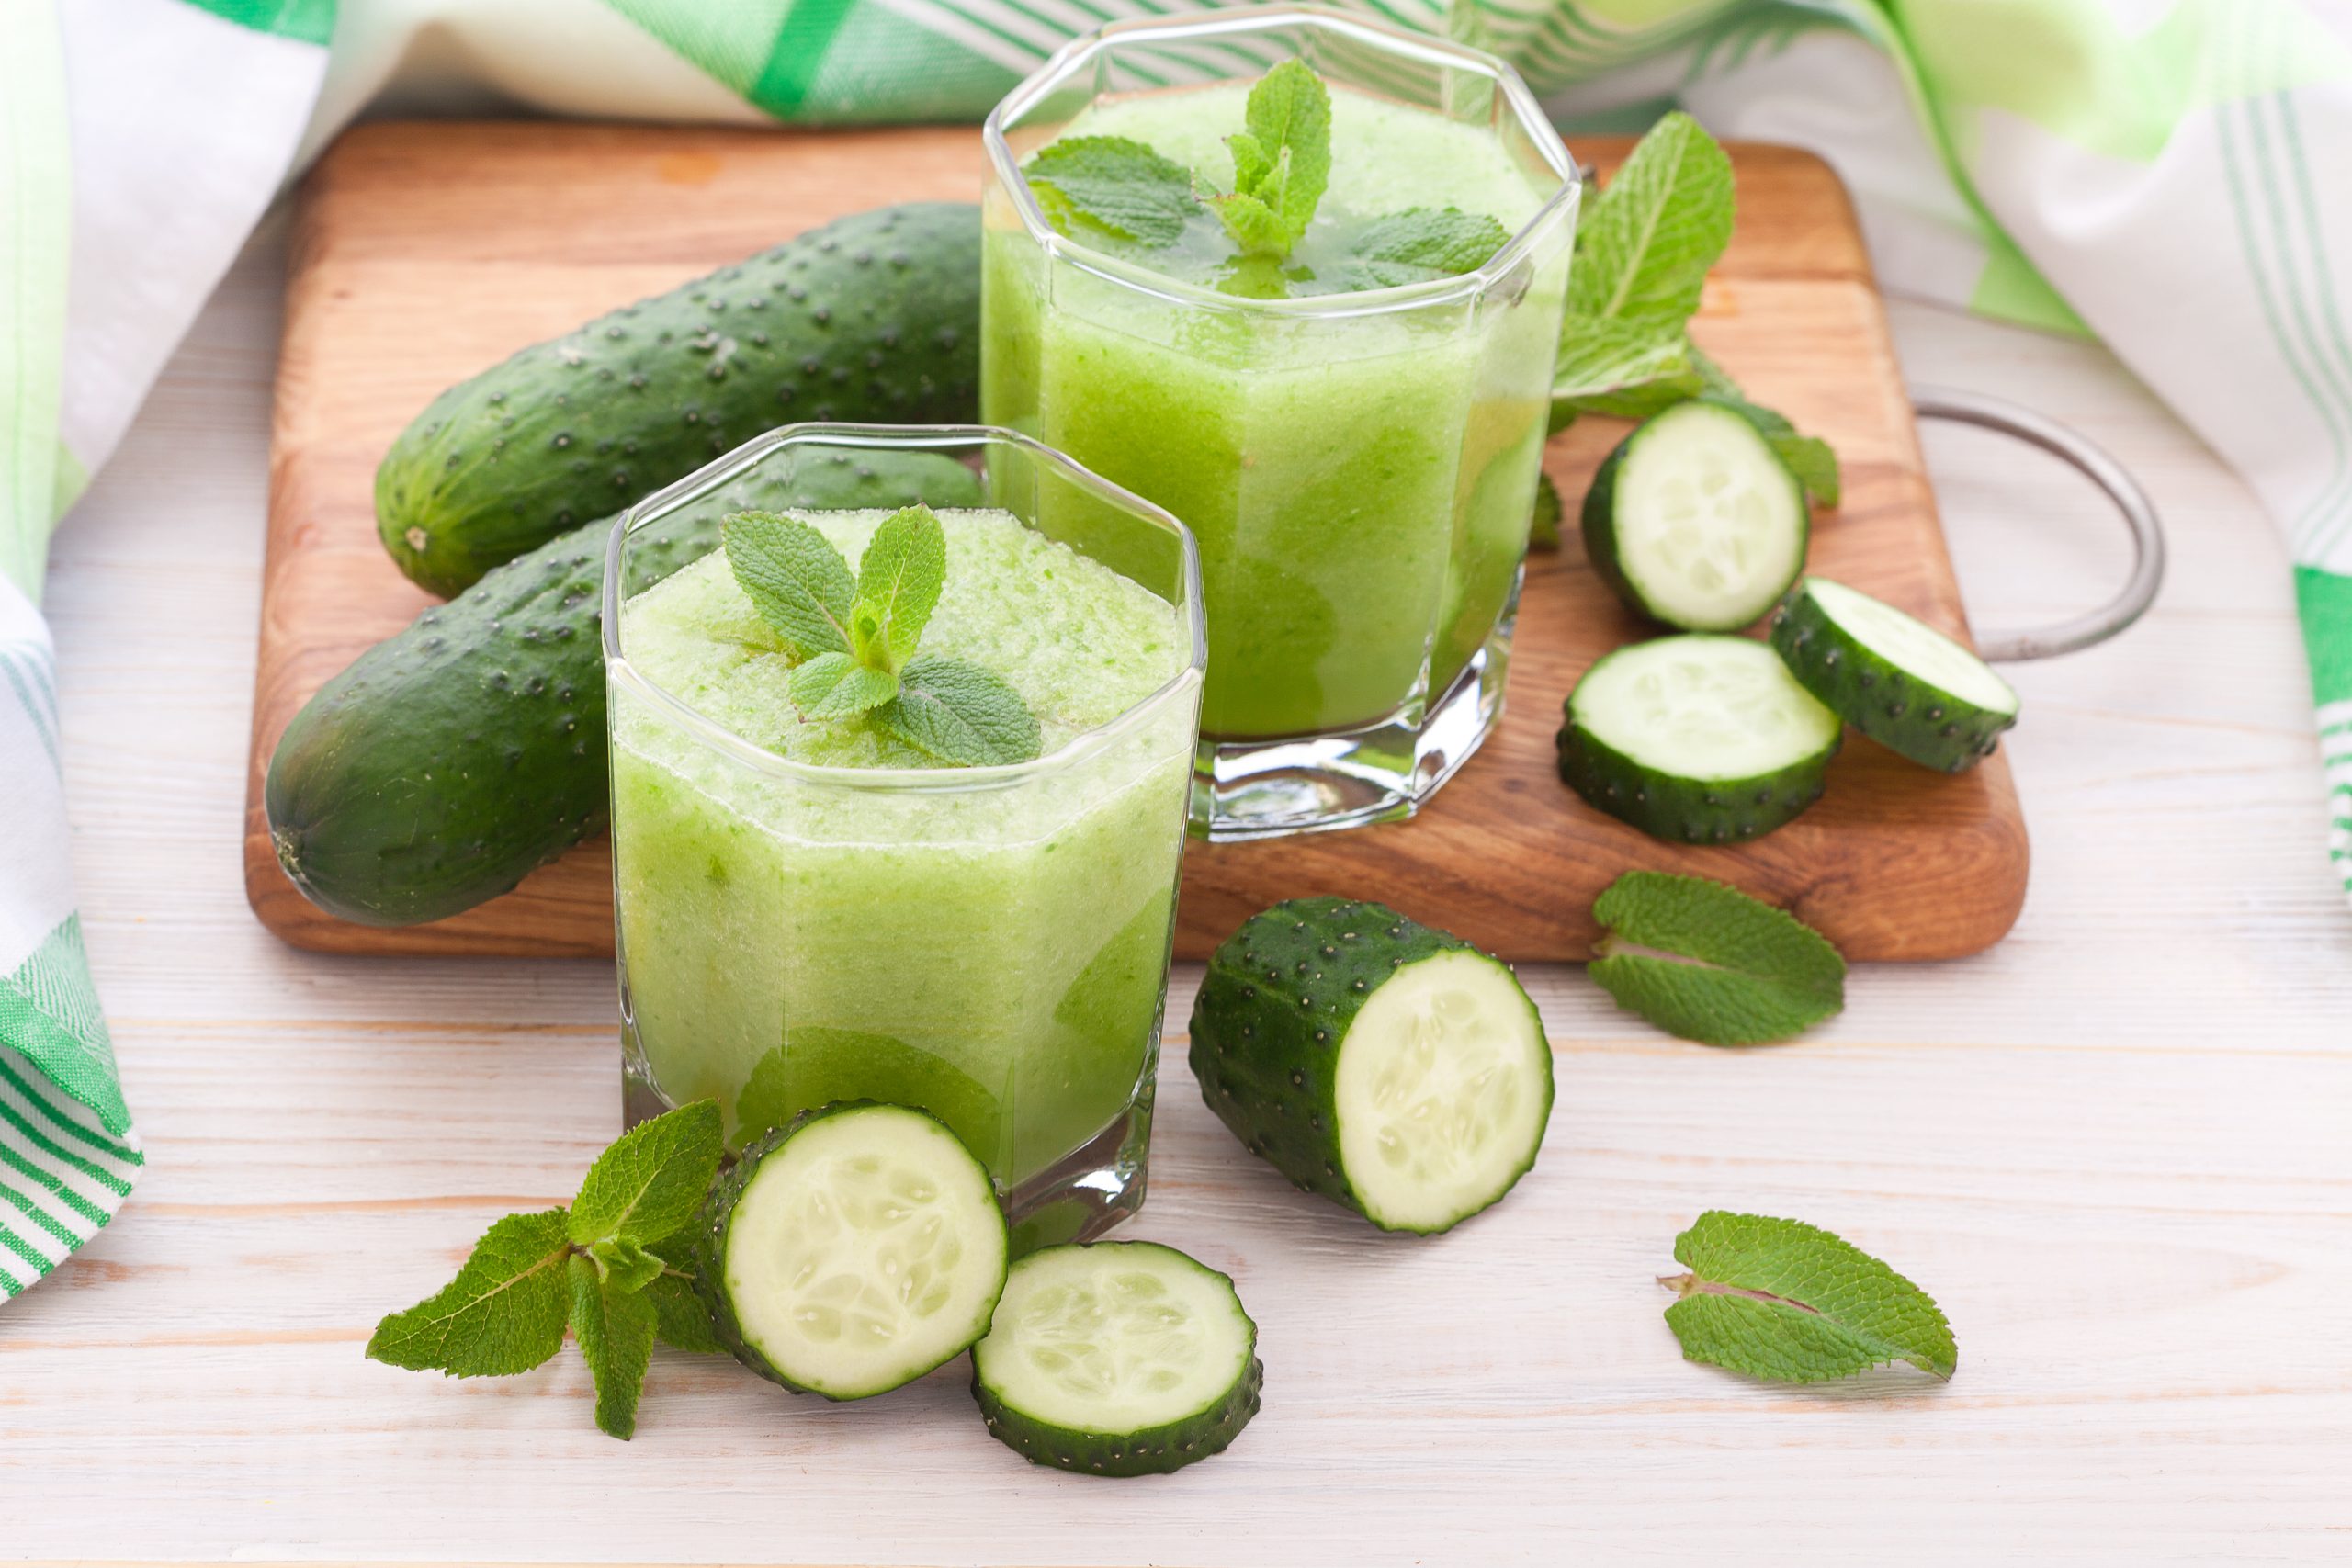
(425, 251)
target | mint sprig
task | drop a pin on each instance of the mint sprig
(1784, 1299)
(607, 1267)
(1116, 185)
(1644, 249)
(1710, 964)
(856, 636)
(1282, 162)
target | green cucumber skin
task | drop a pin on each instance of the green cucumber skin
(1270, 1016)
(1721, 811)
(873, 318)
(1597, 523)
(1901, 712)
(709, 1257)
(1154, 1451)
(463, 752)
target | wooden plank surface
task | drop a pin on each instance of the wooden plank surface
(2113, 1146)
(425, 252)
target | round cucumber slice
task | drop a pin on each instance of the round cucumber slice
(1894, 678)
(853, 1251)
(1118, 1357)
(1391, 1067)
(1699, 739)
(1695, 519)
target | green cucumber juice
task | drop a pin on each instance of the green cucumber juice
(996, 955)
(1361, 485)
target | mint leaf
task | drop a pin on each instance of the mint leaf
(647, 1185)
(1281, 163)
(1118, 186)
(1784, 1299)
(834, 685)
(1424, 243)
(1644, 249)
(502, 1314)
(1289, 116)
(1544, 529)
(1710, 964)
(625, 1265)
(1712, 377)
(795, 578)
(963, 714)
(680, 1321)
(898, 580)
(616, 1333)
(1622, 367)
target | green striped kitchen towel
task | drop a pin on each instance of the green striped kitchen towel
(2167, 174)
(110, 237)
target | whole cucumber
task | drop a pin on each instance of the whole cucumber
(454, 758)
(874, 317)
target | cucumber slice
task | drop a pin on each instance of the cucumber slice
(1695, 521)
(853, 1251)
(1701, 739)
(1118, 1357)
(1897, 679)
(1392, 1068)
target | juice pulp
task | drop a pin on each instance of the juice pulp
(1361, 485)
(994, 956)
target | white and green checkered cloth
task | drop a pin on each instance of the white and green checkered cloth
(2155, 172)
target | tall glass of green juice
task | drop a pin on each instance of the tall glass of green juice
(1359, 462)
(812, 910)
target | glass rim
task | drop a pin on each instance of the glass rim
(1065, 61)
(1086, 743)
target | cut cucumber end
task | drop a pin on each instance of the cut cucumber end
(1894, 678)
(1695, 521)
(1392, 1068)
(1443, 1088)
(1697, 739)
(1123, 1358)
(853, 1251)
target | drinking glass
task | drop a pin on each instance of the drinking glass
(1359, 468)
(989, 944)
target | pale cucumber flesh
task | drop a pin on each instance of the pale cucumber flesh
(1443, 1091)
(865, 1251)
(1711, 527)
(1702, 707)
(1114, 1338)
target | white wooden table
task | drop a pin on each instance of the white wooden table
(2118, 1148)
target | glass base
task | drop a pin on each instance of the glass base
(1384, 772)
(1081, 1196)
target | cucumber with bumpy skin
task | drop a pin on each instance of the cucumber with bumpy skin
(1694, 521)
(1395, 1069)
(875, 317)
(1697, 739)
(1897, 679)
(852, 1252)
(461, 753)
(1118, 1357)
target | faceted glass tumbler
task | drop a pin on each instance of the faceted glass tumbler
(1360, 469)
(989, 944)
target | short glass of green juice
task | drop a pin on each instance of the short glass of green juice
(1359, 463)
(812, 910)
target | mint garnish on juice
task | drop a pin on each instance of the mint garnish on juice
(1261, 238)
(856, 637)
